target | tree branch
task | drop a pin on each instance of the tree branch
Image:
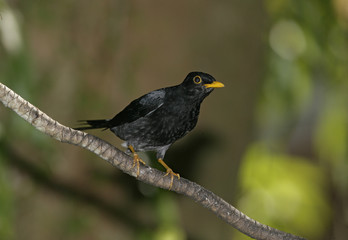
(119, 159)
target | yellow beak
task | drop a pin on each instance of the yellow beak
(215, 84)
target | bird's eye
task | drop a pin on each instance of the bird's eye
(197, 79)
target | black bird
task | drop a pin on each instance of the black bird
(156, 120)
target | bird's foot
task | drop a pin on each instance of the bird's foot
(136, 160)
(169, 172)
(172, 174)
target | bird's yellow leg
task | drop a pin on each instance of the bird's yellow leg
(169, 171)
(136, 159)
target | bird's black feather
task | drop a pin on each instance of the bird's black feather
(157, 119)
(94, 124)
(139, 108)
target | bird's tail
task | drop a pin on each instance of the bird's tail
(94, 124)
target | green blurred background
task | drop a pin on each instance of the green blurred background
(273, 142)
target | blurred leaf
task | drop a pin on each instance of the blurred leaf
(332, 130)
(6, 203)
(167, 210)
(285, 192)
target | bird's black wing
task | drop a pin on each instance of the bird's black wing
(139, 108)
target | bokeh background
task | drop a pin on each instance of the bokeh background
(273, 142)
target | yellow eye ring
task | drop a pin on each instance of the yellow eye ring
(197, 79)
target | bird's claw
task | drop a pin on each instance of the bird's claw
(172, 174)
(136, 161)
(169, 171)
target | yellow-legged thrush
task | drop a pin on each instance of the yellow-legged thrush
(156, 120)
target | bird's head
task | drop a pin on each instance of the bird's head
(200, 85)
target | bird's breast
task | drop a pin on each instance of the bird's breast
(177, 121)
(159, 128)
